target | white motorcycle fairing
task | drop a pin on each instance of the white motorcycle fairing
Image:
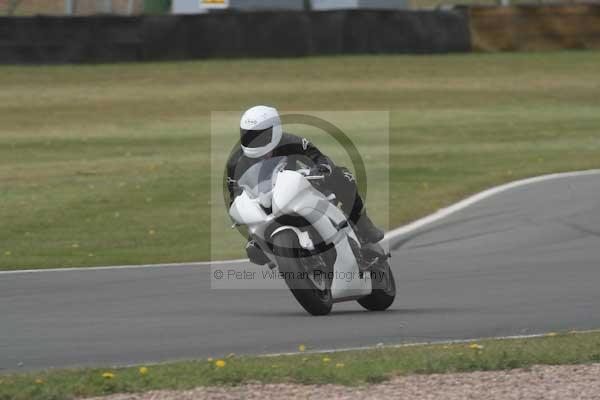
(293, 194)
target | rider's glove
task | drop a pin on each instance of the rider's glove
(324, 169)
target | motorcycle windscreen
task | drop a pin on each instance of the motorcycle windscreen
(261, 177)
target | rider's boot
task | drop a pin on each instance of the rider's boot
(255, 253)
(366, 230)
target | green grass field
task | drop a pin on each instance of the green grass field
(106, 165)
(345, 368)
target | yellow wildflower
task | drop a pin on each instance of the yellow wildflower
(475, 346)
(302, 348)
(326, 360)
(39, 381)
(143, 370)
(108, 375)
(340, 365)
(220, 363)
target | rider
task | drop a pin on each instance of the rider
(262, 137)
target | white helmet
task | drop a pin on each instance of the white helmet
(260, 131)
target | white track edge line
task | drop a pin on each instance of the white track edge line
(117, 267)
(433, 342)
(436, 216)
(476, 198)
(361, 348)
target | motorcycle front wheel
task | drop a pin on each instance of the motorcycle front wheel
(384, 288)
(304, 274)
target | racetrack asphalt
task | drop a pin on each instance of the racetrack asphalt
(524, 261)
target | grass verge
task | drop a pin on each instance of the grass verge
(345, 368)
(109, 164)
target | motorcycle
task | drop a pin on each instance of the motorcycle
(309, 239)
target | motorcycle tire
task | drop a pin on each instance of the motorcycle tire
(384, 288)
(292, 260)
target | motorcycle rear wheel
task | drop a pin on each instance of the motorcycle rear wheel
(313, 292)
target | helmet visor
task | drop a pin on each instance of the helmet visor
(254, 139)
